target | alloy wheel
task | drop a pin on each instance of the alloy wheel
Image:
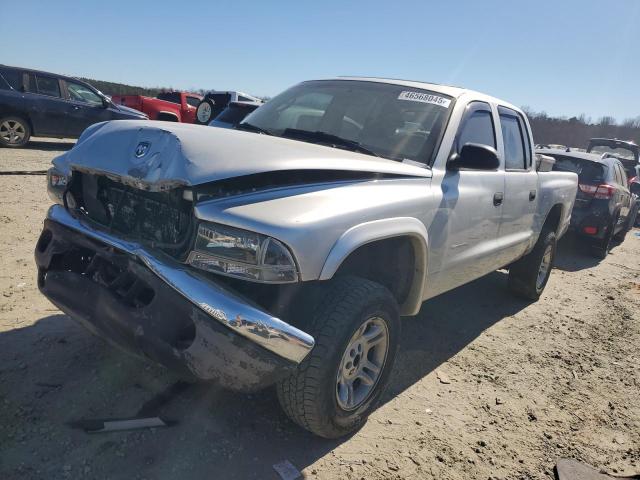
(362, 364)
(12, 131)
(545, 267)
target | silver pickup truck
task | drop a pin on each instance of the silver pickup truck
(285, 251)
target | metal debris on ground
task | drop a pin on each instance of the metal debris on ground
(570, 469)
(115, 425)
(286, 470)
(23, 172)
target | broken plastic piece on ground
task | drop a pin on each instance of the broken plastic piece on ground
(570, 469)
(443, 377)
(287, 470)
(116, 424)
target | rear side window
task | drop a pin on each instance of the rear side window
(478, 128)
(513, 138)
(622, 175)
(193, 101)
(590, 173)
(12, 78)
(48, 86)
(173, 97)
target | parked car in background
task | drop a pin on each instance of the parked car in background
(44, 104)
(628, 153)
(284, 251)
(233, 114)
(167, 106)
(604, 207)
(215, 102)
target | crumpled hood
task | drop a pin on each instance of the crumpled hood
(161, 155)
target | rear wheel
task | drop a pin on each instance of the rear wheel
(14, 132)
(356, 328)
(628, 225)
(529, 275)
(600, 248)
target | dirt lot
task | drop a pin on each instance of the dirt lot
(528, 383)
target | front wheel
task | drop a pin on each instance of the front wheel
(356, 327)
(529, 275)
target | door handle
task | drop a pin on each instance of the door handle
(497, 198)
(532, 195)
(76, 107)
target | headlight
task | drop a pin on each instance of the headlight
(56, 184)
(243, 254)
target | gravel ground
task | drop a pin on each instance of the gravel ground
(486, 386)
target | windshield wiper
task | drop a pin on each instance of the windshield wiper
(252, 128)
(328, 138)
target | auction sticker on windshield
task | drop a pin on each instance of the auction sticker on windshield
(424, 98)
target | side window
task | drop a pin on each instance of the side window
(12, 78)
(193, 101)
(244, 99)
(48, 86)
(527, 141)
(82, 93)
(173, 97)
(477, 128)
(622, 175)
(513, 138)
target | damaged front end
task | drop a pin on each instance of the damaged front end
(141, 297)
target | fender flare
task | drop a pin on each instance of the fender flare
(167, 113)
(369, 232)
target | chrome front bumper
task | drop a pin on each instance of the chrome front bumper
(215, 301)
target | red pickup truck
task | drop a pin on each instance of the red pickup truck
(168, 106)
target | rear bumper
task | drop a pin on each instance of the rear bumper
(598, 218)
(149, 304)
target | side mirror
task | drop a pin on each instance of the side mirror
(474, 156)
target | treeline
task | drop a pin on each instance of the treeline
(112, 88)
(576, 131)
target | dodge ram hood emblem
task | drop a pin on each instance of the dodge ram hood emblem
(142, 149)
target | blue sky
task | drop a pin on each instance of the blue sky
(565, 57)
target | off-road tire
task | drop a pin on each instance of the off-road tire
(308, 396)
(523, 274)
(24, 125)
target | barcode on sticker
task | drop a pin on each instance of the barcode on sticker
(424, 98)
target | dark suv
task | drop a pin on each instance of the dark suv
(604, 205)
(47, 105)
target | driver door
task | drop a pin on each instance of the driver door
(84, 108)
(466, 225)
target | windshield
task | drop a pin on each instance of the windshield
(391, 121)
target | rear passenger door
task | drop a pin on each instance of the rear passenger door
(521, 183)
(47, 108)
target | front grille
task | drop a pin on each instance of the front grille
(161, 219)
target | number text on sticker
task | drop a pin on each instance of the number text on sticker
(424, 98)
